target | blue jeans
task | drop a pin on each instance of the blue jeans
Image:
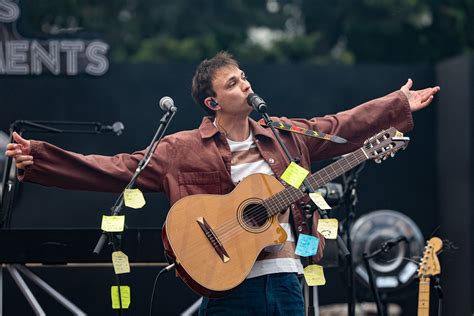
(273, 294)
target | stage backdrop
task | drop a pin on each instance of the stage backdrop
(130, 93)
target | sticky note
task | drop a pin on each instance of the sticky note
(294, 175)
(319, 200)
(124, 294)
(133, 198)
(307, 245)
(120, 262)
(328, 227)
(314, 275)
(113, 223)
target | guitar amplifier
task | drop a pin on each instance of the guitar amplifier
(61, 246)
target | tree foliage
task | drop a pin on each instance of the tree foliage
(318, 31)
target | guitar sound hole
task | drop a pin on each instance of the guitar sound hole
(255, 215)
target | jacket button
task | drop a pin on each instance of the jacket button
(300, 229)
(271, 160)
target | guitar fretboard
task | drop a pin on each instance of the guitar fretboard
(283, 199)
(424, 297)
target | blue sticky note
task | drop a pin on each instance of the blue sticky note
(307, 245)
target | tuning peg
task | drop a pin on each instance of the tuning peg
(378, 160)
(392, 154)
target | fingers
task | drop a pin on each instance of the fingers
(14, 150)
(425, 94)
(22, 161)
(20, 140)
(408, 85)
(24, 164)
(21, 144)
(427, 102)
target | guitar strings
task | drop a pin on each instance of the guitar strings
(229, 230)
(286, 194)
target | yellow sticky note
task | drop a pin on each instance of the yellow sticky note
(294, 175)
(133, 198)
(320, 202)
(314, 275)
(124, 294)
(328, 227)
(113, 223)
(120, 262)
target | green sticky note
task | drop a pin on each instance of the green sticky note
(124, 294)
(294, 175)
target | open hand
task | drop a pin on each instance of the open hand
(20, 151)
(418, 99)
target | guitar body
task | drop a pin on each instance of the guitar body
(215, 239)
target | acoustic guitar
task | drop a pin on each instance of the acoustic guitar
(214, 240)
(429, 266)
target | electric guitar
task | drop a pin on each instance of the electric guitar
(214, 240)
(429, 266)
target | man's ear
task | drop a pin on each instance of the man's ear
(211, 103)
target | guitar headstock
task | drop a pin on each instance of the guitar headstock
(429, 264)
(385, 144)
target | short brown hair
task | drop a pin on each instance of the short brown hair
(202, 80)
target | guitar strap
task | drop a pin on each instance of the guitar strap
(304, 131)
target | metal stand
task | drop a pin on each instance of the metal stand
(9, 183)
(439, 290)
(384, 247)
(311, 295)
(14, 270)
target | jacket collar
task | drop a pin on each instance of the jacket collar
(207, 129)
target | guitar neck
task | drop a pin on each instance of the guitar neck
(283, 199)
(424, 297)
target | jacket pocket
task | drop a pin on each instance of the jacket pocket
(199, 183)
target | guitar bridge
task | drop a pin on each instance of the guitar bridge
(212, 237)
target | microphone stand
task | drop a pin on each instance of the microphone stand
(9, 173)
(385, 247)
(351, 201)
(439, 290)
(9, 182)
(116, 208)
(307, 188)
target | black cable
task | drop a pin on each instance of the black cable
(162, 271)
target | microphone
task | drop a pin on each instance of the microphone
(167, 104)
(117, 128)
(257, 103)
(390, 243)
